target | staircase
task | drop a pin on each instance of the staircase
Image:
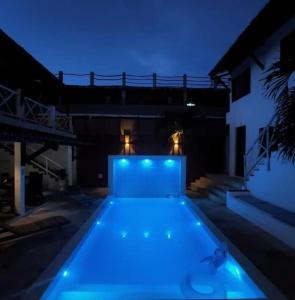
(42, 163)
(215, 186)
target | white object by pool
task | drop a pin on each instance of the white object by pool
(147, 242)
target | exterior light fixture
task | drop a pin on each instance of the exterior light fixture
(176, 138)
(190, 104)
(126, 141)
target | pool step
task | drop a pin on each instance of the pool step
(122, 292)
(215, 186)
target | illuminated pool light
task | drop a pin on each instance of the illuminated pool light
(169, 235)
(146, 234)
(124, 162)
(198, 223)
(233, 269)
(147, 162)
(65, 273)
(98, 223)
(169, 162)
(112, 202)
(123, 234)
(182, 202)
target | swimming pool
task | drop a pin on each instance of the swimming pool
(153, 247)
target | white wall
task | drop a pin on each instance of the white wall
(277, 185)
(254, 111)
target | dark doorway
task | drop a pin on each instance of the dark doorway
(240, 150)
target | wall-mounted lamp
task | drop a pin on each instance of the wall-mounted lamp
(176, 138)
(126, 141)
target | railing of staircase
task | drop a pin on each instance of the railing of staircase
(14, 105)
(42, 161)
(260, 151)
(47, 164)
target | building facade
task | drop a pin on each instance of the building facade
(251, 112)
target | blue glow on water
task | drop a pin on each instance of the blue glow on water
(147, 163)
(112, 202)
(146, 234)
(198, 223)
(98, 223)
(169, 163)
(182, 202)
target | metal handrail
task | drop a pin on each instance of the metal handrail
(258, 151)
(47, 158)
(45, 167)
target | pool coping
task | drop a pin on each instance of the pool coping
(260, 280)
(40, 285)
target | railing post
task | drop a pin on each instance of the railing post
(52, 117)
(91, 82)
(184, 83)
(71, 124)
(154, 80)
(19, 104)
(267, 148)
(61, 76)
(123, 91)
(124, 79)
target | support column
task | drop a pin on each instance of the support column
(19, 178)
(70, 165)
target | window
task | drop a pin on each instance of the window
(288, 50)
(241, 85)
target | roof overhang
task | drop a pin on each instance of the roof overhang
(274, 14)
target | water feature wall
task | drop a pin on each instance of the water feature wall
(146, 176)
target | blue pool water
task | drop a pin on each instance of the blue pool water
(148, 247)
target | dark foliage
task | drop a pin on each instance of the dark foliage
(276, 84)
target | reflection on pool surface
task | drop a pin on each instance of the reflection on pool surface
(149, 248)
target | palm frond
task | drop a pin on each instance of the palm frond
(276, 85)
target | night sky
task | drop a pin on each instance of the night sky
(169, 37)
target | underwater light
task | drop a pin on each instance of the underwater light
(169, 162)
(124, 162)
(65, 273)
(198, 223)
(182, 202)
(111, 202)
(146, 234)
(169, 235)
(98, 223)
(147, 162)
(233, 269)
(123, 234)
